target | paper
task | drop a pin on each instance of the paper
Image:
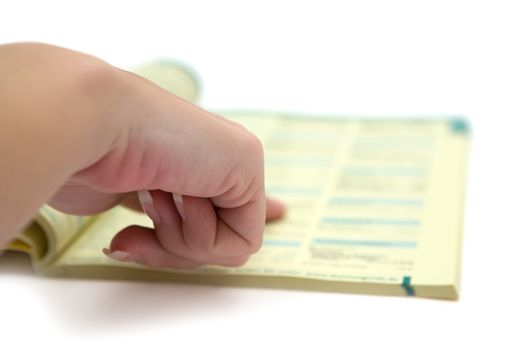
(368, 201)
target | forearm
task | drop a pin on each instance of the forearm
(50, 126)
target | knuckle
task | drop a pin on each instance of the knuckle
(252, 146)
(257, 148)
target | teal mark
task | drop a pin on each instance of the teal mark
(409, 289)
(375, 201)
(282, 243)
(366, 243)
(459, 126)
(334, 220)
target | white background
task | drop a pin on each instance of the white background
(353, 57)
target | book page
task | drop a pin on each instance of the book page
(368, 201)
(50, 232)
(172, 76)
(60, 230)
(33, 241)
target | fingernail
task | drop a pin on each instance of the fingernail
(146, 201)
(118, 255)
(179, 204)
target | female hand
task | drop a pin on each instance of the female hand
(87, 136)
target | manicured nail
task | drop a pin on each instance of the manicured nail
(146, 201)
(118, 255)
(179, 204)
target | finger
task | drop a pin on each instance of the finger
(217, 160)
(173, 240)
(201, 236)
(275, 209)
(140, 245)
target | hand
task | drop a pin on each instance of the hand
(161, 143)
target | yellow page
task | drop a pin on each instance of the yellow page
(33, 241)
(172, 76)
(49, 233)
(368, 201)
(60, 229)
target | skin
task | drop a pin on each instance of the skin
(83, 136)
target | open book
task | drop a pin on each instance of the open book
(374, 206)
